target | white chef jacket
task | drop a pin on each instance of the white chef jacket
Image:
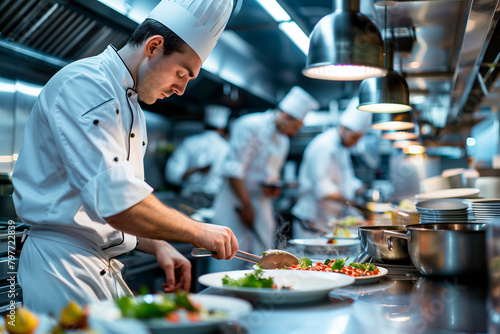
(326, 169)
(81, 160)
(196, 151)
(257, 153)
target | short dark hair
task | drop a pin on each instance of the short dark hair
(172, 42)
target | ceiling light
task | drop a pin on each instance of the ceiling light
(399, 135)
(414, 149)
(296, 35)
(388, 94)
(275, 10)
(399, 121)
(345, 45)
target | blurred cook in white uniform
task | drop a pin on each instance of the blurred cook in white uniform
(259, 146)
(196, 163)
(326, 174)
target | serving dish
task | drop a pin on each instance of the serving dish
(230, 308)
(306, 286)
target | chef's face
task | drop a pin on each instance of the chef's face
(159, 75)
(288, 125)
(349, 138)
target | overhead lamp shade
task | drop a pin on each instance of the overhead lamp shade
(386, 94)
(399, 121)
(345, 45)
(399, 135)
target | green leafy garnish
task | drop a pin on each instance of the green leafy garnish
(338, 264)
(327, 261)
(305, 262)
(250, 280)
(258, 265)
(363, 266)
(149, 307)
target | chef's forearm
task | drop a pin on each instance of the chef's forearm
(239, 189)
(151, 219)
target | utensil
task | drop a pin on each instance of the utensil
(445, 249)
(374, 245)
(270, 259)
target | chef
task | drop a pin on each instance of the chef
(326, 174)
(259, 146)
(195, 164)
(79, 180)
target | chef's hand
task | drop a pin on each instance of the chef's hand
(217, 238)
(177, 269)
(247, 214)
(271, 191)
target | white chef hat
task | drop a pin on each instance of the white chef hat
(297, 103)
(198, 22)
(217, 116)
(354, 119)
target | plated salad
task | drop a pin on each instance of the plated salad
(253, 280)
(173, 307)
(338, 266)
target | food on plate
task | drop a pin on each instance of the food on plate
(253, 280)
(339, 266)
(331, 241)
(341, 231)
(174, 307)
(21, 321)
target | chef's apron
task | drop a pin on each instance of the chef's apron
(255, 240)
(80, 270)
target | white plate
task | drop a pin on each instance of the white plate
(371, 279)
(357, 280)
(443, 204)
(234, 308)
(353, 231)
(307, 285)
(322, 242)
(449, 193)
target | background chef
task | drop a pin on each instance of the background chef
(326, 174)
(195, 164)
(79, 179)
(259, 145)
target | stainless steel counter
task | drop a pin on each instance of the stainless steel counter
(394, 305)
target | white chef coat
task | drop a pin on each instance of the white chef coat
(196, 151)
(81, 160)
(257, 153)
(326, 169)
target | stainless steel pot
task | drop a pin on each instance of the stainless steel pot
(445, 249)
(374, 245)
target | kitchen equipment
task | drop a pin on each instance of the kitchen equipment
(374, 245)
(306, 286)
(270, 259)
(444, 249)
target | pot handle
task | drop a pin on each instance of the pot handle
(390, 234)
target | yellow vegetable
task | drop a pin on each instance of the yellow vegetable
(21, 321)
(73, 316)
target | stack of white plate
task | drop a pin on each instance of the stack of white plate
(484, 210)
(448, 193)
(443, 210)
